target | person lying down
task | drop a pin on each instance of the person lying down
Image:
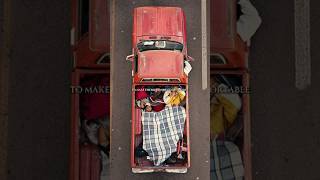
(158, 111)
(161, 132)
(156, 101)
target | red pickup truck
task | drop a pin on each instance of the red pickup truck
(160, 135)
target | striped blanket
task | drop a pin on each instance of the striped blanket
(226, 161)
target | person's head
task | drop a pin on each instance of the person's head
(174, 91)
(148, 108)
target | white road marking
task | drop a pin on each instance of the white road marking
(302, 44)
(204, 70)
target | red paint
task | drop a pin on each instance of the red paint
(90, 164)
(223, 24)
(160, 64)
(86, 51)
(224, 38)
(159, 22)
(225, 41)
(75, 161)
(155, 23)
(99, 25)
(89, 47)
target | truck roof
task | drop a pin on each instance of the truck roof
(160, 64)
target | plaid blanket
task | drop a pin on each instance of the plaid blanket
(162, 131)
(226, 162)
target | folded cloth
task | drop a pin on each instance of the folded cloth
(174, 100)
(162, 131)
(226, 162)
(224, 111)
(187, 67)
(249, 21)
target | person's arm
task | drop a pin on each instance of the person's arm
(249, 21)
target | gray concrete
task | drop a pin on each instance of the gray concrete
(285, 120)
(3, 89)
(121, 86)
(302, 43)
(39, 94)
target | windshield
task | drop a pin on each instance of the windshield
(159, 45)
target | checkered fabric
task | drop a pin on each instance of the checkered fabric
(226, 162)
(162, 131)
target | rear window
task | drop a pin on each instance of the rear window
(159, 45)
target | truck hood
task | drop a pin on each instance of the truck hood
(160, 64)
(159, 21)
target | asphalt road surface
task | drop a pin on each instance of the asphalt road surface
(39, 90)
(285, 120)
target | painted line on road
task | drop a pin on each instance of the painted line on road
(302, 44)
(204, 68)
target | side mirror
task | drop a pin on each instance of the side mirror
(130, 57)
(189, 58)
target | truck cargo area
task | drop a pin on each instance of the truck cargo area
(179, 159)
